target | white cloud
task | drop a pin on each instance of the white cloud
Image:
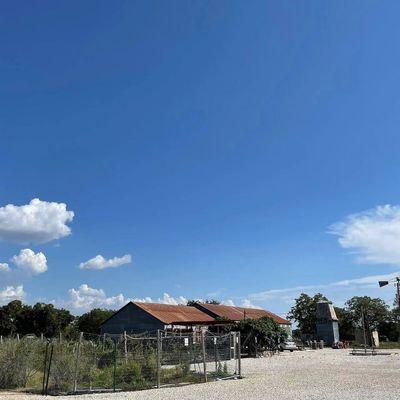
(36, 222)
(368, 280)
(11, 293)
(4, 267)
(28, 260)
(374, 235)
(167, 299)
(228, 302)
(86, 298)
(284, 293)
(245, 303)
(248, 304)
(338, 292)
(99, 262)
(143, 300)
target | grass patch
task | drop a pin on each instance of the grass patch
(389, 345)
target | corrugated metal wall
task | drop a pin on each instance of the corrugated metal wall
(131, 319)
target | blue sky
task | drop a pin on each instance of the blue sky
(211, 143)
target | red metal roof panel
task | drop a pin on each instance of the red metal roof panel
(176, 314)
(239, 313)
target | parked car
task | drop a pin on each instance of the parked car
(288, 345)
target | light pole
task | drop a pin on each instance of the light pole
(396, 282)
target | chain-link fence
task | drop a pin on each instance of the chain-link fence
(198, 357)
(94, 363)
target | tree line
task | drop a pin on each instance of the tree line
(376, 314)
(47, 320)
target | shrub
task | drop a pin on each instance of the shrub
(19, 361)
(103, 378)
(130, 376)
(62, 371)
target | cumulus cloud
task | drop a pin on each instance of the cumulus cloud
(374, 235)
(99, 262)
(86, 298)
(36, 222)
(248, 304)
(4, 267)
(167, 299)
(28, 260)
(11, 293)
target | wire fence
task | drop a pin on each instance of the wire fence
(101, 363)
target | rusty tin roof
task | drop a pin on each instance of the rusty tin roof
(176, 314)
(239, 313)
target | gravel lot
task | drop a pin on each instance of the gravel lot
(318, 375)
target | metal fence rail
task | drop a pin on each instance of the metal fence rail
(96, 363)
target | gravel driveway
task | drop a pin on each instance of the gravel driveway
(318, 375)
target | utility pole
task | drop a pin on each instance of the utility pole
(397, 284)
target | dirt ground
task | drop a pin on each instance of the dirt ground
(317, 375)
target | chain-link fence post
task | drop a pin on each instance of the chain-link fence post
(159, 350)
(126, 348)
(115, 363)
(203, 347)
(234, 334)
(232, 346)
(215, 354)
(48, 370)
(239, 355)
(77, 356)
(44, 366)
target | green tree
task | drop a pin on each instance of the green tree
(7, 323)
(49, 320)
(395, 320)
(212, 301)
(304, 312)
(208, 301)
(260, 334)
(346, 329)
(390, 328)
(14, 318)
(90, 322)
(375, 312)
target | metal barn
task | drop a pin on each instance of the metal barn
(136, 317)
